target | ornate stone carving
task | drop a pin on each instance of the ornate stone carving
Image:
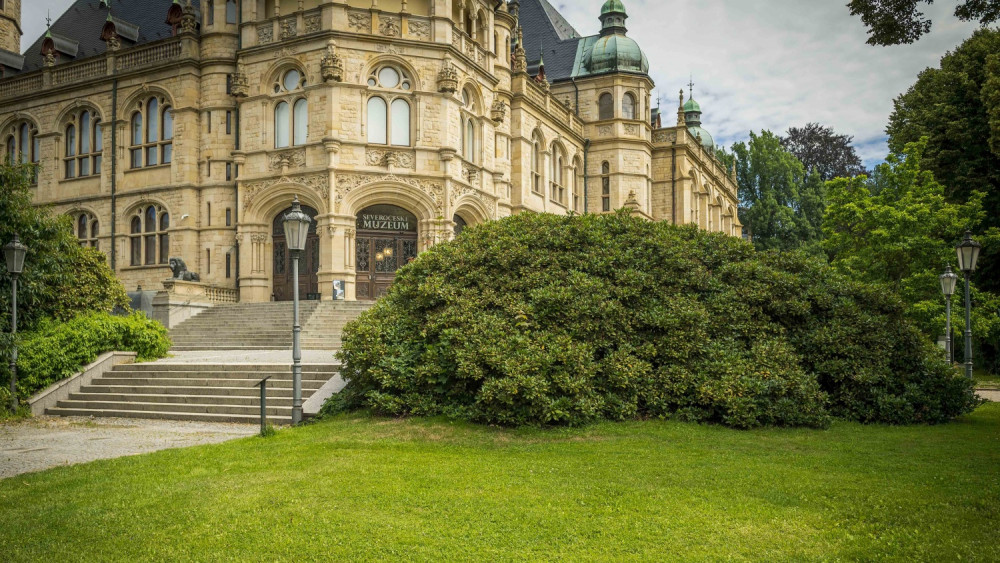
(49, 59)
(499, 112)
(389, 26)
(332, 66)
(318, 182)
(470, 173)
(288, 28)
(419, 29)
(382, 157)
(447, 79)
(312, 23)
(189, 23)
(282, 160)
(631, 129)
(348, 182)
(265, 33)
(360, 21)
(331, 230)
(664, 137)
(258, 238)
(604, 130)
(239, 84)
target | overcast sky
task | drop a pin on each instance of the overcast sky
(760, 64)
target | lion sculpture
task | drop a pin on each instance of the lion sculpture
(179, 268)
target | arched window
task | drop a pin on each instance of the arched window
(606, 106)
(23, 145)
(209, 12)
(536, 164)
(389, 115)
(84, 145)
(149, 241)
(469, 140)
(557, 187)
(300, 122)
(605, 187)
(470, 113)
(231, 11)
(282, 127)
(628, 106)
(460, 224)
(87, 230)
(152, 144)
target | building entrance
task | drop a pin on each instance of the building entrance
(308, 262)
(386, 241)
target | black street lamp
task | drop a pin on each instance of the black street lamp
(14, 252)
(296, 225)
(968, 255)
(948, 282)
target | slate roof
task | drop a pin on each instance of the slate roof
(547, 33)
(83, 20)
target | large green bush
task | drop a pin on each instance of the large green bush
(57, 350)
(541, 319)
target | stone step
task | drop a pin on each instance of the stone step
(175, 407)
(331, 367)
(164, 415)
(202, 382)
(207, 348)
(284, 392)
(198, 399)
(244, 376)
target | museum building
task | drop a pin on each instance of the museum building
(184, 129)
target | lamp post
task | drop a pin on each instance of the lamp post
(948, 281)
(968, 255)
(14, 252)
(296, 225)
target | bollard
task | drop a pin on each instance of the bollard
(263, 404)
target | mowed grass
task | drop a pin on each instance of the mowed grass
(359, 488)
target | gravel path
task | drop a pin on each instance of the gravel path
(991, 394)
(43, 442)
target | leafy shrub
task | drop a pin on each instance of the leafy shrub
(58, 350)
(541, 319)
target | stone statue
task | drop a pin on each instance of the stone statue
(179, 268)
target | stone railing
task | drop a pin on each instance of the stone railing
(17, 86)
(81, 71)
(461, 41)
(154, 54)
(222, 295)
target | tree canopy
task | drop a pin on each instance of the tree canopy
(823, 151)
(894, 22)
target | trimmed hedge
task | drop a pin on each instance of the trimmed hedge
(58, 350)
(541, 319)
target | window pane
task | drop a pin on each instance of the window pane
(291, 80)
(136, 249)
(35, 149)
(97, 164)
(164, 248)
(210, 12)
(70, 140)
(98, 136)
(168, 123)
(377, 121)
(168, 153)
(150, 156)
(24, 142)
(150, 219)
(81, 227)
(85, 167)
(281, 125)
(401, 123)
(230, 11)
(11, 148)
(388, 77)
(151, 249)
(628, 107)
(137, 129)
(605, 168)
(136, 158)
(152, 118)
(164, 221)
(94, 229)
(470, 141)
(136, 225)
(85, 132)
(607, 106)
(301, 127)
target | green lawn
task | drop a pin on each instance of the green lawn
(357, 488)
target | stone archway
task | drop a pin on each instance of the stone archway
(282, 272)
(386, 240)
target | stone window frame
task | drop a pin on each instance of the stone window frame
(605, 186)
(557, 171)
(537, 165)
(74, 155)
(231, 13)
(471, 126)
(149, 235)
(603, 115)
(141, 146)
(404, 92)
(289, 94)
(87, 229)
(23, 132)
(577, 181)
(635, 105)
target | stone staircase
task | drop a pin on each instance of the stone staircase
(266, 326)
(208, 393)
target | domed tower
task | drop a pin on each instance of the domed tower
(10, 25)
(692, 116)
(614, 51)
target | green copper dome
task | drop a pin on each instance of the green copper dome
(706, 138)
(612, 6)
(691, 105)
(615, 53)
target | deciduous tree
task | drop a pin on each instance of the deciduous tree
(893, 22)
(822, 150)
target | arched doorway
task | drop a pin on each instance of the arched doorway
(386, 241)
(308, 262)
(460, 224)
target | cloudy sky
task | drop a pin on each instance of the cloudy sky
(761, 64)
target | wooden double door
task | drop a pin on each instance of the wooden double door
(379, 255)
(283, 275)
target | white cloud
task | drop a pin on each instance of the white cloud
(764, 64)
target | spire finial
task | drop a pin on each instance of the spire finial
(48, 19)
(691, 87)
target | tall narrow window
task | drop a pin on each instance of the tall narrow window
(231, 11)
(167, 146)
(300, 127)
(23, 145)
(84, 145)
(400, 123)
(229, 123)
(136, 140)
(229, 171)
(229, 217)
(148, 238)
(152, 144)
(606, 106)
(377, 121)
(152, 130)
(208, 213)
(536, 166)
(628, 106)
(281, 125)
(71, 151)
(136, 241)
(229, 265)
(164, 237)
(87, 230)
(605, 187)
(470, 141)
(209, 12)
(208, 261)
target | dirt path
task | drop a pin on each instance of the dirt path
(991, 394)
(43, 442)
